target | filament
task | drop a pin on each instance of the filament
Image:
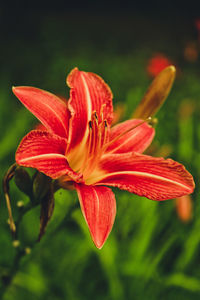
(97, 139)
(148, 120)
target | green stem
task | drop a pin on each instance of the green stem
(22, 212)
(8, 277)
(21, 252)
(8, 176)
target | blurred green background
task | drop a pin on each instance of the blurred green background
(151, 253)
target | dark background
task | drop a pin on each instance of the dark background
(151, 253)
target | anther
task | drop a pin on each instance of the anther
(95, 114)
(90, 124)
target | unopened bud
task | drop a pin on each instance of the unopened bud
(41, 185)
(23, 180)
(156, 94)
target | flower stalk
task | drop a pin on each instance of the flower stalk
(156, 94)
(8, 176)
(7, 274)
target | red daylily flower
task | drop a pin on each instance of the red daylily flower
(78, 146)
(157, 63)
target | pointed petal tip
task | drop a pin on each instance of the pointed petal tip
(17, 88)
(98, 206)
(14, 88)
(98, 240)
(20, 91)
(98, 244)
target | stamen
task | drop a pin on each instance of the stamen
(148, 120)
(98, 139)
(95, 115)
(92, 144)
(101, 112)
(94, 133)
(89, 146)
(104, 134)
(90, 124)
(103, 137)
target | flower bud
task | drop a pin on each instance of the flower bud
(23, 181)
(41, 186)
(156, 94)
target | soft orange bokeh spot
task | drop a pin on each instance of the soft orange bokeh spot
(184, 208)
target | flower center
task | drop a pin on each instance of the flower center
(97, 138)
(85, 158)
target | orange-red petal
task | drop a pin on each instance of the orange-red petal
(136, 139)
(88, 93)
(154, 178)
(98, 206)
(45, 152)
(49, 109)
